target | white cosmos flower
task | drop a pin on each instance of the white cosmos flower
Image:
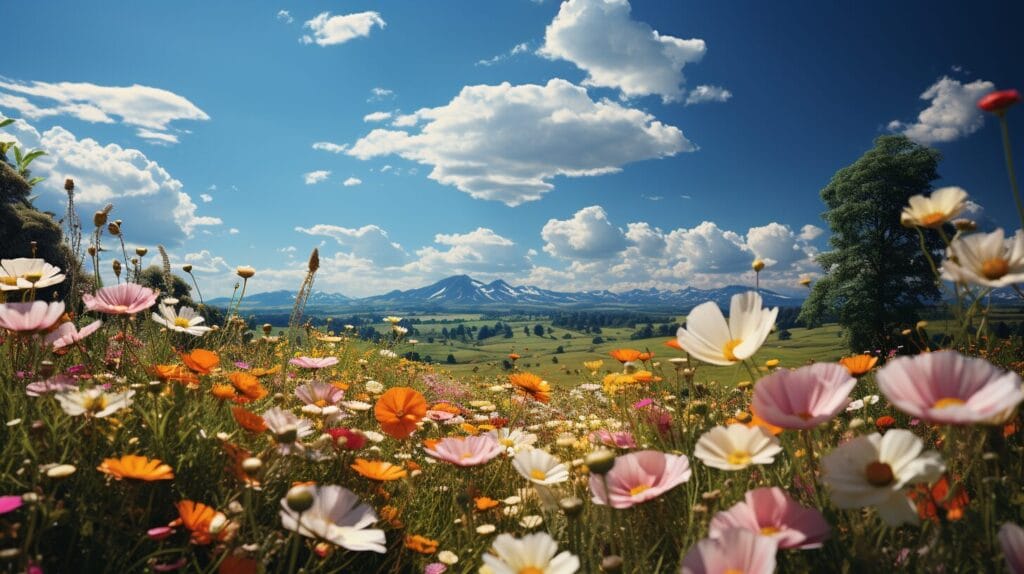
(941, 206)
(987, 259)
(337, 516)
(513, 440)
(539, 467)
(185, 320)
(708, 337)
(533, 553)
(287, 429)
(736, 447)
(94, 402)
(26, 273)
(875, 470)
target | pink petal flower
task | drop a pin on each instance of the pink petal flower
(804, 398)
(122, 299)
(313, 362)
(66, 334)
(33, 316)
(9, 503)
(468, 451)
(736, 550)
(771, 512)
(638, 477)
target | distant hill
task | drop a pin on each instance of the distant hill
(462, 292)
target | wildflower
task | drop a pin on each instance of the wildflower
(286, 427)
(94, 402)
(201, 361)
(27, 273)
(10, 503)
(617, 439)
(1011, 540)
(204, 522)
(638, 477)
(859, 404)
(392, 319)
(337, 516)
(373, 387)
(593, 366)
(248, 385)
(531, 385)
(466, 451)
(999, 101)
(986, 259)
(859, 365)
(137, 467)
(483, 503)
(485, 529)
(184, 320)
(884, 423)
(61, 471)
(708, 337)
(399, 410)
(874, 470)
(347, 439)
(625, 355)
(532, 554)
(66, 334)
(319, 395)
(539, 467)
(57, 384)
(930, 499)
(313, 362)
(245, 271)
(249, 421)
(447, 557)
(175, 373)
(736, 447)
(420, 544)
(29, 317)
(771, 512)
(121, 299)
(936, 210)
(734, 550)
(379, 470)
(804, 398)
(948, 388)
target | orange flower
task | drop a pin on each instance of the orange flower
(645, 377)
(175, 373)
(379, 470)
(420, 544)
(248, 385)
(674, 343)
(430, 442)
(260, 372)
(340, 385)
(930, 500)
(137, 467)
(469, 429)
(484, 503)
(236, 456)
(224, 392)
(625, 355)
(513, 356)
(201, 361)
(646, 356)
(858, 365)
(756, 421)
(398, 410)
(391, 515)
(249, 421)
(532, 385)
(197, 518)
(446, 408)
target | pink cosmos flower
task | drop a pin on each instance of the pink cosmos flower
(736, 550)
(9, 503)
(313, 362)
(468, 451)
(638, 477)
(947, 387)
(67, 334)
(319, 394)
(617, 439)
(55, 384)
(771, 512)
(804, 398)
(27, 317)
(123, 299)
(1011, 539)
(439, 416)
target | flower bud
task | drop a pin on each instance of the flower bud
(600, 461)
(187, 268)
(252, 465)
(571, 506)
(99, 219)
(245, 271)
(612, 564)
(114, 229)
(69, 185)
(116, 264)
(299, 498)
(267, 328)
(757, 265)
(141, 251)
(46, 369)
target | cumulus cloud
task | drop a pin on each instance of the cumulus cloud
(352, 181)
(315, 177)
(810, 232)
(329, 146)
(369, 242)
(206, 197)
(151, 110)
(702, 94)
(330, 30)
(951, 114)
(480, 251)
(506, 142)
(588, 235)
(285, 16)
(153, 205)
(377, 116)
(601, 38)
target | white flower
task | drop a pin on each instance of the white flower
(286, 428)
(875, 470)
(539, 467)
(708, 337)
(392, 319)
(736, 447)
(337, 516)
(534, 553)
(373, 387)
(185, 320)
(356, 405)
(531, 521)
(485, 529)
(447, 557)
(26, 273)
(986, 259)
(860, 403)
(943, 205)
(387, 353)
(94, 402)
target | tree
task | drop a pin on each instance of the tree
(538, 330)
(878, 278)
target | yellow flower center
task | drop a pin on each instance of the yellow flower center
(538, 474)
(321, 403)
(638, 489)
(95, 404)
(995, 268)
(948, 402)
(119, 308)
(181, 322)
(728, 348)
(530, 570)
(769, 530)
(8, 280)
(507, 442)
(33, 277)
(466, 455)
(879, 474)
(933, 219)
(739, 458)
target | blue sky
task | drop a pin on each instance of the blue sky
(590, 144)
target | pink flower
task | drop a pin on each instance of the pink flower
(313, 362)
(736, 550)
(617, 439)
(1011, 539)
(123, 299)
(804, 398)
(468, 451)
(9, 504)
(55, 384)
(638, 477)
(771, 512)
(66, 333)
(947, 387)
(320, 394)
(34, 316)
(439, 416)
(159, 533)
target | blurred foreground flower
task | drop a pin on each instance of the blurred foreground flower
(734, 550)
(29, 317)
(986, 259)
(27, 273)
(935, 210)
(337, 516)
(771, 512)
(122, 299)
(532, 554)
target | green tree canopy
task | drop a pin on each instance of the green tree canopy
(878, 278)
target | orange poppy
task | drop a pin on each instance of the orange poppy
(646, 356)
(858, 364)
(759, 422)
(484, 503)
(137, 467)
(175, 373)
(398, 410)
(625, 355)
(532, 385)
(379, 470)
(248, 385)
(197, 518)
(201, 361)
(224, 392)
(251, 422)
(674, 343)
(420, 544)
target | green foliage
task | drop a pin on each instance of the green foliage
(878, 278)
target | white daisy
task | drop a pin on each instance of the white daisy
(534, 553)
(337, 516)
(513, 440)
(94, 402)
(736, 447)
(986, 259)
(708, 337)
(186, 320)
(27, 273)
(941, 206)
(539, 467)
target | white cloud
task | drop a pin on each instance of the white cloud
(330, 30)
(520, 48)
(377, 116)
(649, 241)
(352, 181)
(378, 94)
(601, 38)
(952, 114)
(315, 177)
(285, 16)
(480, 251)
(702, 94)
(233, 231)
(588, 235)
(205, 262)
(707, 248)
(776, 244)
(810, 232)
(206, 197)
(331, 147)
(160, 138)
(506, 142)
(369, 242)
(147, 108)
(153, 205)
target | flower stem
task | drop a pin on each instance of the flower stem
(1007, 150)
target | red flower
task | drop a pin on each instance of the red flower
(998, 102)
(884, 423)
(354, 440)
